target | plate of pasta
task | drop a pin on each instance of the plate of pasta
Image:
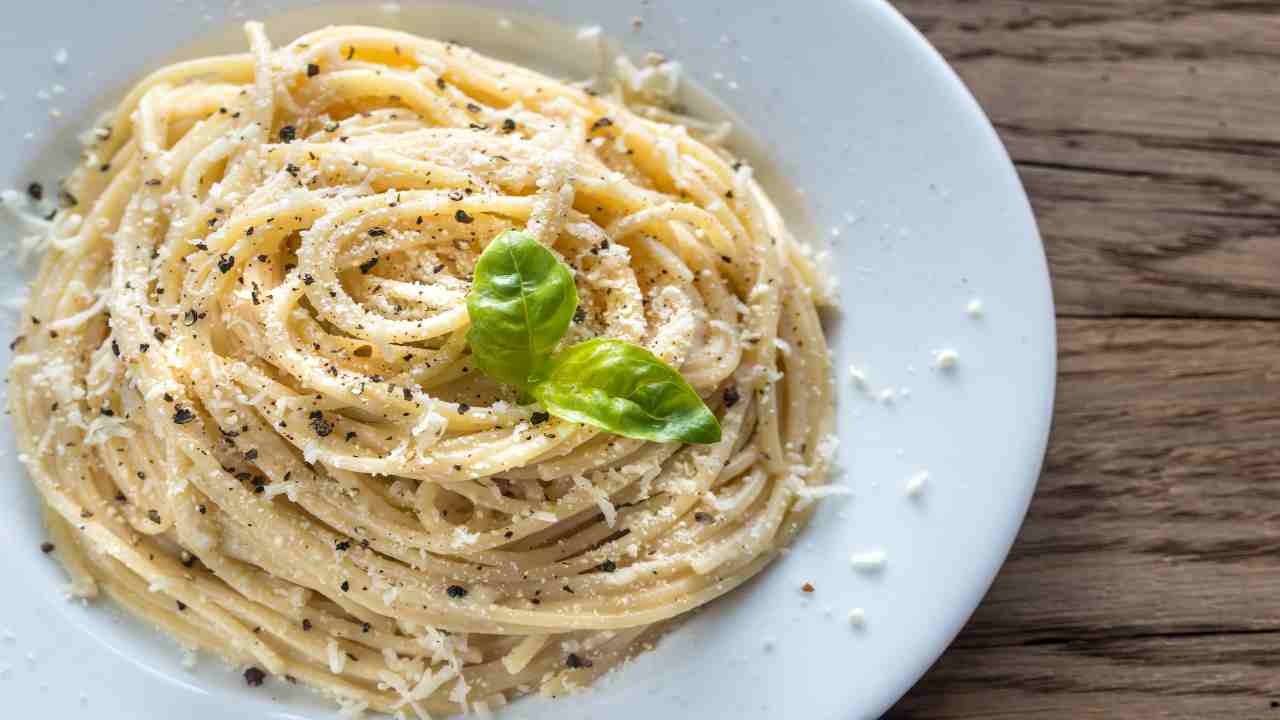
(426, 360)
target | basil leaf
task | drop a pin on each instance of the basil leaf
(625, 389)
(521, 303)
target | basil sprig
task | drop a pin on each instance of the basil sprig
(521, 303)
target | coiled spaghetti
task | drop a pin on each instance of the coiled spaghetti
(245, 394)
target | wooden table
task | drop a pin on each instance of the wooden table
(1146, 581)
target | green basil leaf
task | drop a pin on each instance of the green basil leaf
(521, 303)
(625, 389)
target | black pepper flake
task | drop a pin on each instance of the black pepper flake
(143, 347)
(807, 587)
(288, 134)
(308, 279)
(508, 125)
(603, 122)
(463, 408)
(457, 592)
(181, 606)
(16, 342)
(154, 516)
(321, 426)
(202, 509)
(608, 566)
(253, 677)
(306, 624)
(437, 269)
(472, 107)
(701, 517)
(440, 83)
(731, 396)
(160, 336)
(462, 217)
(36, 191)
(312, 69)
(67, 199)
(251, 454)
(539, 417)
(342, 545)
(364, 627)
(349, 435)
(226, 262)
(377, 232)
(115, 348)
(408, 394)
(182, 415)
(248, 232)
(368, 265)
(351, 52)
(575, 662)
(345, 586)
(190, 317)
(46, 547)
(579, 315)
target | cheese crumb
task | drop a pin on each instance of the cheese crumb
(915, 484)
(974, 308)
(869, 561)
(858, 377)
(857, 617)
(945, 359)
(61, 56)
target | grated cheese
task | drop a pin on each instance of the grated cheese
(915, 484)
(945, 359)
(869, 561)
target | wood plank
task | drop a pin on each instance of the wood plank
(1145, 133)
(1156, 515)
(1189, 678)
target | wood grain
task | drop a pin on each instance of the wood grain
(1146, 580)
(1147, 135)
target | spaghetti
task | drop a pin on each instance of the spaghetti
(244, 390)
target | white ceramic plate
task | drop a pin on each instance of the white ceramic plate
(858, 128)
